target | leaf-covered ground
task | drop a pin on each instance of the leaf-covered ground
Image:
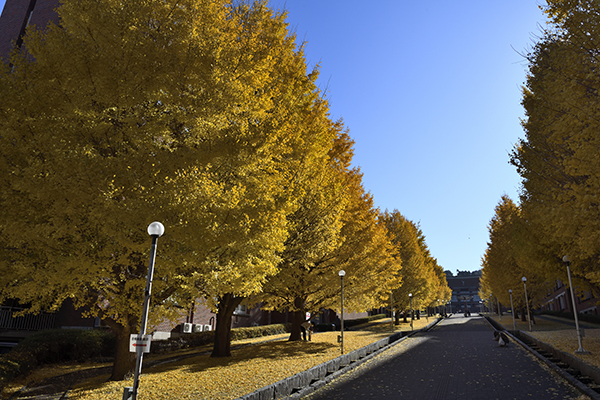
(561, 334)
(198, 376)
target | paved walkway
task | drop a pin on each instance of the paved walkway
(456, 360)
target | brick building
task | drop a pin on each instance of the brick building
(559, 299)
(465, 291)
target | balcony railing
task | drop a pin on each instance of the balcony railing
(27, 322)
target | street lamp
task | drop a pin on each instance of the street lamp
(155, 230)
(392, 308)
(411, 311)
(512, 310)
(341, 274)
(527, 301)
(580, 350)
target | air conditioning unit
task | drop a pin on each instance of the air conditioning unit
(207, 328)
(187, 328)
(198, 328)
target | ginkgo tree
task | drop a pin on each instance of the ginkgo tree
(557, 159)
(506, 260)
(335, 228)
(187, 112)
(420, 274)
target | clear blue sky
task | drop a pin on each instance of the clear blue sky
(431, 92)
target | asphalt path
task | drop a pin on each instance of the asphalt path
(456, 360)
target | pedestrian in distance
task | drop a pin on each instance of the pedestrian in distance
(307, 328)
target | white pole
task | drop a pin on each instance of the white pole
(527, 302)
(580, 350)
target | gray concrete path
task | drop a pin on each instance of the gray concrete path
(456, 360)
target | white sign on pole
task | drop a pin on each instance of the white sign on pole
(139, 341)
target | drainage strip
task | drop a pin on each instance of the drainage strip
(582, 376)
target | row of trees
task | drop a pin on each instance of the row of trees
(200, 114)
(559, 211)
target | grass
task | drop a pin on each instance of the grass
(203, 377)
(559, 333)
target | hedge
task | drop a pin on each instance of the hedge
(189, 340)
(592, 318)
(348, 323)
(54, 346)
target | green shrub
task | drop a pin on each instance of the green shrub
(363, 320)
(326, 327)
(592, 318)
(197, 339)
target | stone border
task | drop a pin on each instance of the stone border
(574, 362)
(305, 382)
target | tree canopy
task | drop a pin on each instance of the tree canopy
(200, 114)
(557, 159)
(188, 112)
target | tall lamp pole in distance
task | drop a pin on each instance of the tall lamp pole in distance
(392, 309)
(512, 310)
(527, 301)
(580, 350)
(411, 311)
(341, 274)
(155, 230)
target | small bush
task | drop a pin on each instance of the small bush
(8, 370)
(326, 327)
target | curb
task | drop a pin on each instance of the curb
(306, 382)
(590, 370)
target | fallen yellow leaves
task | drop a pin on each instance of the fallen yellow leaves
(562, 335)
(249, 368)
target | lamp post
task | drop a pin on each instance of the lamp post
(527, 301)
(155, 230)
(341, 274)
(411, 311)
(512, 310)
(392, 309)
(580, 350)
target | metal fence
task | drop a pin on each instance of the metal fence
(29, 322)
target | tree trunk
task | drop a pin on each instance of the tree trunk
(298, 317)
(227, 304)
(523, 314)
(124, 362)
(397, 318)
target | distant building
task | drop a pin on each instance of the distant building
(465, 291)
